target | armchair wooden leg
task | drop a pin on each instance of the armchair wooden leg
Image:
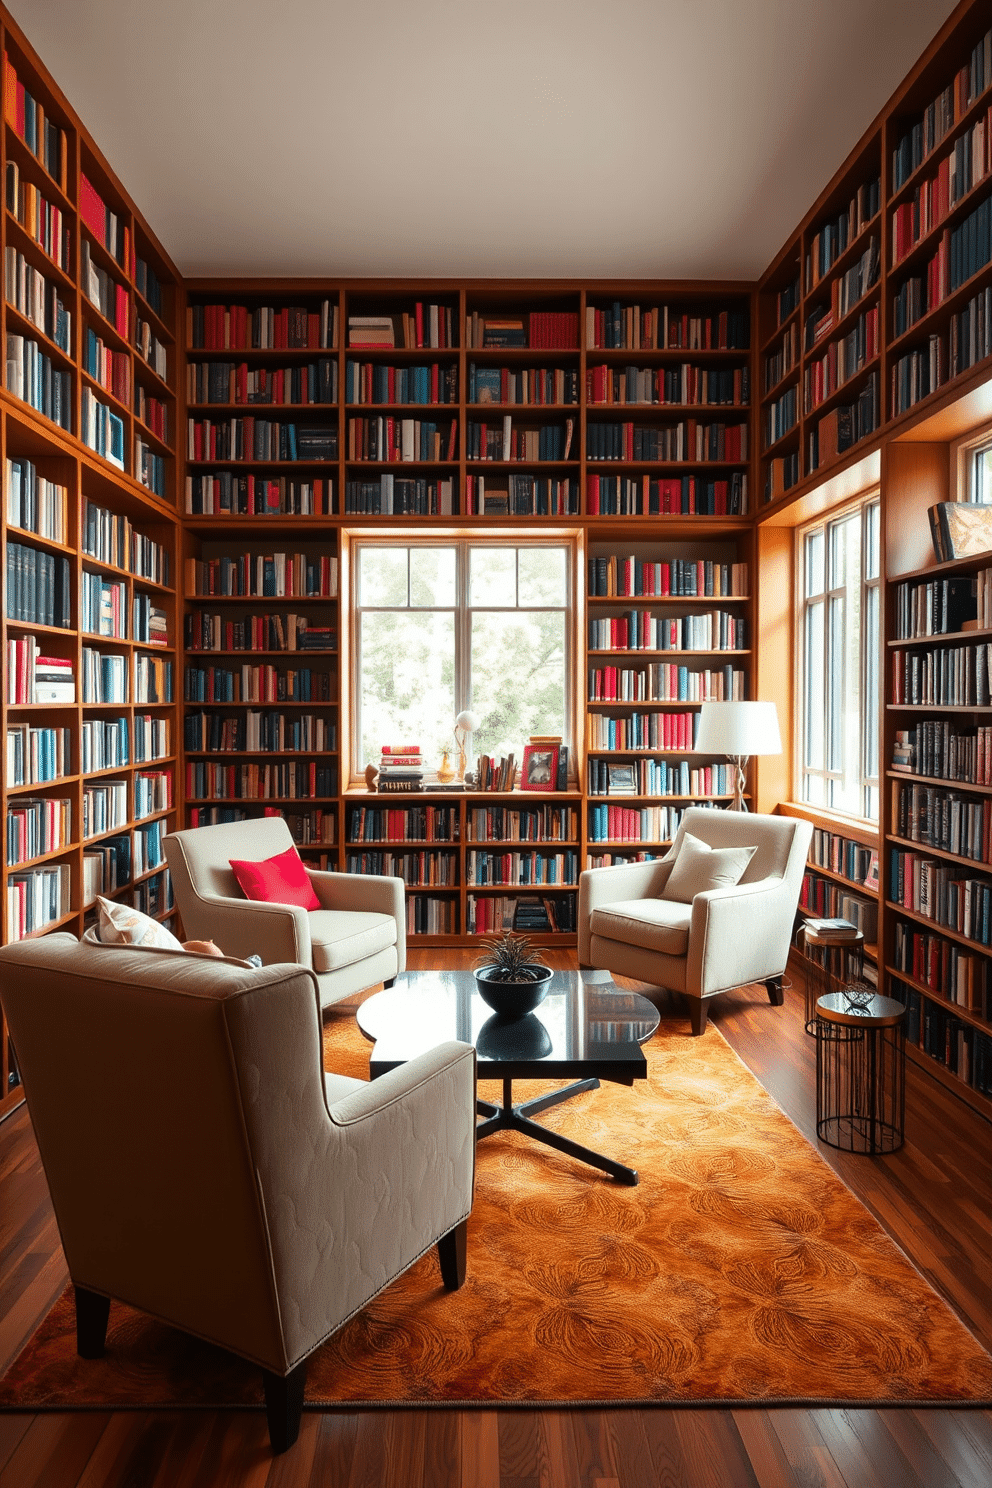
(452, 1253)
(391, 982)
(698, 1012)
(92, 1313)
(776, 992)
(284, 1405)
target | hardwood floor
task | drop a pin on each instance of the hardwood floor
(934, 1197)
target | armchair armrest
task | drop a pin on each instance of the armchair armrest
(368, 892)
(277, 932)
(739, 934)
(598, 886)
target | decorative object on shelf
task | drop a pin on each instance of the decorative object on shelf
(738, 730)
(445, 770)
(466, 724)
(510, 978)
(540, 768)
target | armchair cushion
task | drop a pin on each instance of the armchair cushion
(652, 924)
(340, 937)
(699, 868)
(278, 880)
(121, 924)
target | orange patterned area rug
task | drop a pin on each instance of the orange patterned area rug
(740, 1270)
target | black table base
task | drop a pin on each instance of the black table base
(509, 1117)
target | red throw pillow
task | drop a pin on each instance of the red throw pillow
(279, 880)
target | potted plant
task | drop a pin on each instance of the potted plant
(510, 977)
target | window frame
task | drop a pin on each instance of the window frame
(463, 540)
(965, 454)
(870, 601)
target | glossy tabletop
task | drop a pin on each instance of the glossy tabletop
(585, 1026)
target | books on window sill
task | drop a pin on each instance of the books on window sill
(960, 529)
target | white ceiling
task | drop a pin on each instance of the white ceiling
(565, 138)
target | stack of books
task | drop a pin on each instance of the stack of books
(401, 768)
(53, 680)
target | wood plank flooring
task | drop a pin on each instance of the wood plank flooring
(934, 1197)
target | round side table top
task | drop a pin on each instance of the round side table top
(880, 1012)
(849, 942)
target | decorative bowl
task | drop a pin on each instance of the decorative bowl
(513, 999)
(513, 1038)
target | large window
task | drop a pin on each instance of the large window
(444, 626)
(980, 472)
(838, 661)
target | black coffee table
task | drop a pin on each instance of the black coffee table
(585, 1027)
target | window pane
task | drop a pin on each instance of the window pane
(814, 686)
(845, 551)
(982, 475)
(871, 686)
(543, 576)
(382, 576)
(493, 577)
(518, 678)
(814, 564)
(872, 524)
(433, 578)
(407, 682)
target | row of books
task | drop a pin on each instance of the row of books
(37, 299)
(276, 575)
(541, 329)
(654, 824)
(236, 382)
(841, 360)
(525, 824)
(487, 914)
(395, 495)
(149, 467)
(843, 855)
(217, 492)
(938, 891)
(686, 440)
(967, 164)
(664, 683)
(612, 859)
(258, 684)
(37, 755)
(782, 358)
(652, 777)
(686, 495)
(111, 537)
(152, 792)
(527, 385)
(844, 426)
(425, 325)
(104, 744)
(280, 631)
(148, 285)
(103, 606)
(836, 236)
(522, 495)
(643, 731)
(941, 818)
(943, 112)
(105, 807)
(385, 438)
(823, 897)
(940, 606)
(41, 219)
(149, 622)
(106, 868)
(954, 973)
(787, 301)
(969, 333)
(635, 329)
(435, 869)
(102, 430)
(110, 368)
(149, 852)
(296, 780)
(37, 827)
(427, 915)
(105, 292)
(521, 869)
(110, 228)
(154, 897)
(35, 503)
(503, 441)
(846, 291)
(402, 824)
(917, 374)
(683, 385)
(151, 349)
(264, 328)
(958, 1047)
(153, 413)
(35, 378)
(37, 899)
(639, 630)
(615, 575)
(260, 439)
(38, 587)
(376, 382)
(948, 676)
(257, 732)
(44, 137)
(34, 678)
(781, 416)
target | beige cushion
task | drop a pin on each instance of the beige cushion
(122, 924)
(92, 938)
(652, 924)
(699, 867)
(340, 937)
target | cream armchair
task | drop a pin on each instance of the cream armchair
(355, 940)
(726, 937)
(204, 1169)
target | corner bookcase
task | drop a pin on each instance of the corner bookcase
(88, 526)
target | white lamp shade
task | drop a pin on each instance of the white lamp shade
(738, 729)
(468, 721)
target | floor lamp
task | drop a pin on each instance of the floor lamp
(738, 730)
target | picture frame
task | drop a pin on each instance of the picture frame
(540, 767)
(622, 780)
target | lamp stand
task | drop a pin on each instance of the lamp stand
(739, 762)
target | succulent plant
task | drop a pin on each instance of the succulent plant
(510, 958)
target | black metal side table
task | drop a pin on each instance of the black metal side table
(831, 962)
(860, 1071)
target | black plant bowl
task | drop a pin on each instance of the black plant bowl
(513, 999)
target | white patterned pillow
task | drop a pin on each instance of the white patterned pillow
(121, 924)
